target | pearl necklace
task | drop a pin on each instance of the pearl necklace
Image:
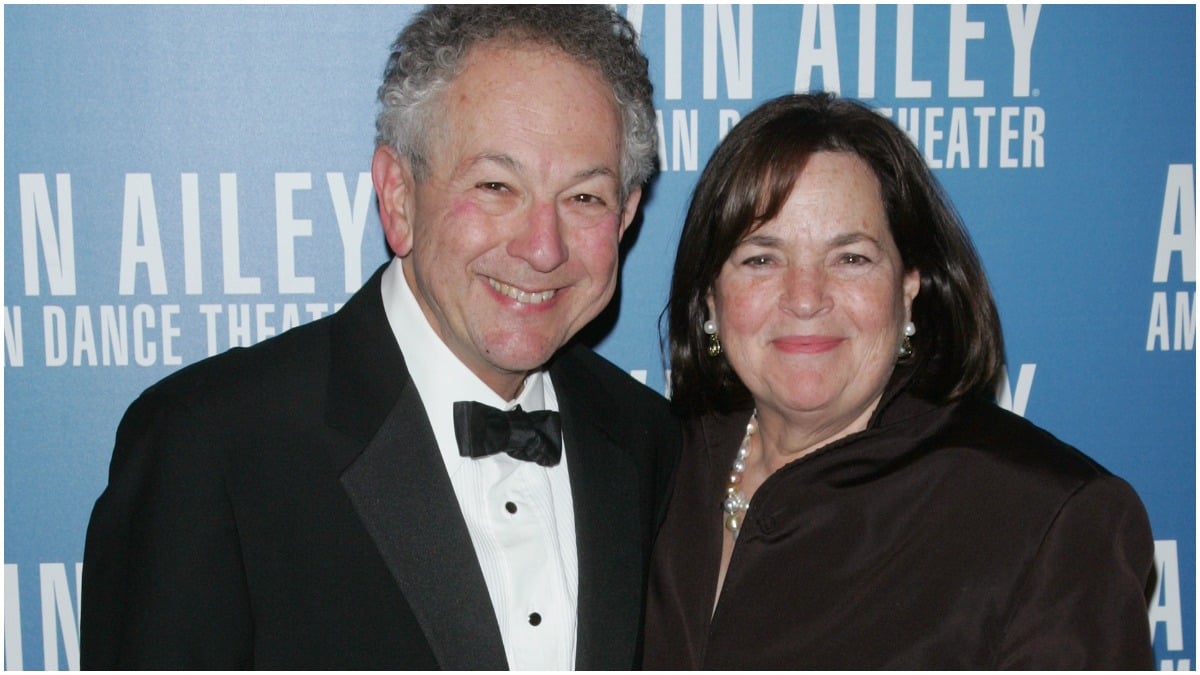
(736, 504)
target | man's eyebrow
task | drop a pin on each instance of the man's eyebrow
(511, 163)
(596, 171)
(508, 161)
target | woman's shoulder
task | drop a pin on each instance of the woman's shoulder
(1008, 444)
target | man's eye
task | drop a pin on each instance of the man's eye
(587, 199)
(854, 259)
(493, 186)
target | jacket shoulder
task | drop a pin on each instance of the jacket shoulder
(290, 359)
(1008, 437)
(580, 367)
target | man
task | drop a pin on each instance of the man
(304, 503)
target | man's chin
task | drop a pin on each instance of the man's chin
(523, 365)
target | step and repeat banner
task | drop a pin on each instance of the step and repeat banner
(180, 180)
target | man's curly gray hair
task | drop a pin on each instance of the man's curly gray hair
(430, 51)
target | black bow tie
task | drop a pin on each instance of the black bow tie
(531, 436)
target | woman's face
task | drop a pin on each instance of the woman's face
(810, 307)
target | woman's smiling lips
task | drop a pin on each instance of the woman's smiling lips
(806, 344)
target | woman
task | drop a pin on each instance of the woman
(850, 496)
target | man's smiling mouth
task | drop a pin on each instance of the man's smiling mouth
(519, 295)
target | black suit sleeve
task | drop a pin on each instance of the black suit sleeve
(669, 450)
(1082, 604)
(162, 582)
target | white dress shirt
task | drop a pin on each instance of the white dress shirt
(519, 514)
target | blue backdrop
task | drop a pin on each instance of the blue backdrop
(182, 179)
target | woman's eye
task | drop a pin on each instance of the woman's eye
(757, 261)
(854, 259)
(492, 186)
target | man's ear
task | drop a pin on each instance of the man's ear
(630, 209)
(394, 186)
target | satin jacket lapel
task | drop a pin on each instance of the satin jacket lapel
(397, 481)
(607, 527)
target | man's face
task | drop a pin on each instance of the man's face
(511, 241)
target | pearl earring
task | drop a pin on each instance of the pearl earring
(714, 342)
(906, 348)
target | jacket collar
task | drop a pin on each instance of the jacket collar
(604, 491)
(366, 369)
(898, 423)
(397, 482)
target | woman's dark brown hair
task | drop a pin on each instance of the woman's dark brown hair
(959, 347)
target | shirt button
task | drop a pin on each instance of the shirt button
(510, 507)
(535, 619)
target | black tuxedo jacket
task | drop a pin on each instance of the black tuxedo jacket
(286, 506)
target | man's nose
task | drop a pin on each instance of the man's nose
(540, 241)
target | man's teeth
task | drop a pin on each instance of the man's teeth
(520, 295)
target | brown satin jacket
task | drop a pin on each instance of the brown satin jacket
(952, 536)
